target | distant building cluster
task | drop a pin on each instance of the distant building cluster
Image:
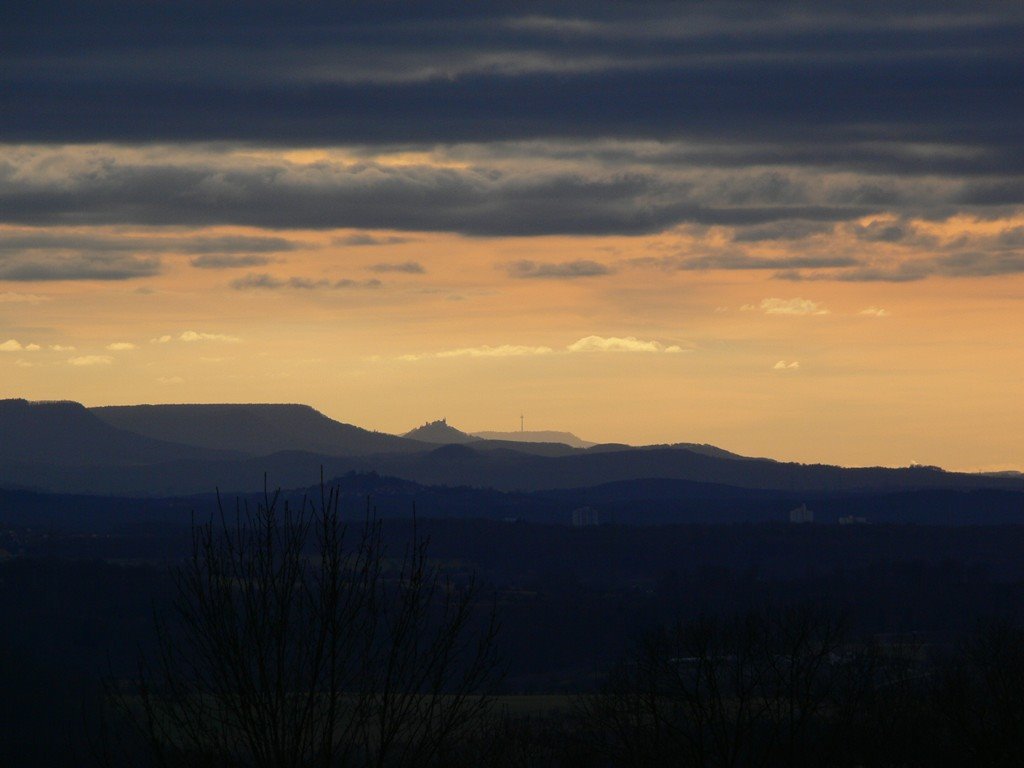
(801, 515)
(587, 516)
(804, 515)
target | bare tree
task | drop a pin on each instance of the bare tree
(295, 640)
(762, 690)
(978, 697)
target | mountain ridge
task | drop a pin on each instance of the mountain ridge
(66, 433)
(65, 447)
(253, 428)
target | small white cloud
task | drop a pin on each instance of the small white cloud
(620, 344)
(120, 346)
(61, 348)
(191, 336)
(874, 312)
(586, 344)
(91, 360)
(504, 350)
(13, 345)
(9, 297)
(797, 306)
(169, 380)
(24, 363)
(782, 365)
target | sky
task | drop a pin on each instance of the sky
(788, 229)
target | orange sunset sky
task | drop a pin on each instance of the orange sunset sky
(678, 224)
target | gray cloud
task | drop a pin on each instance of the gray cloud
(565, 270)
(964, 264)
(980, 264)
(263, 280)
(231, 244)
(365, 239)
(883, 232)
(781, 230)
(77, 255)
(732, 260)
(348, 283)
(77, 267)
(835, 82)
(408, 267)
(228, 261)
(269, 282)
(499, 194)
(1012, 237)
(44, 240)
(64, 188)
(899, 274)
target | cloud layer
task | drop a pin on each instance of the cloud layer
(780, 120)
(809, 77)
(587, 344)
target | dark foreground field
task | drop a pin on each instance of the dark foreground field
(580, 611)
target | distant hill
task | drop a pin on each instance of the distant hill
(253, 429)
(512, 470)
(65, 433)
(153, 450)
(440, 433)
(704, 448)
(536, 436)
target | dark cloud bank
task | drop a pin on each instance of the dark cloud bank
(826, 74)
(778, 119)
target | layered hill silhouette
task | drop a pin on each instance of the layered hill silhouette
(510, 470)
(254, 430)
(65, 433)
(440, 432)
(162, 450)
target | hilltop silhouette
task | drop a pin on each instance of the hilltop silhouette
(536, 436)
(439, 432)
